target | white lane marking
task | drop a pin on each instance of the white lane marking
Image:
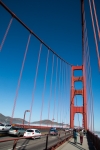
(19, 146)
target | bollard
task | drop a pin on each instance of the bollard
(46, 142)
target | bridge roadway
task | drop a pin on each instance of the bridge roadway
(30, 144)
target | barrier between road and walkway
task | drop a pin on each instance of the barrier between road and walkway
(94, 138)
(56, 145)
(52, 147)
(3, 133)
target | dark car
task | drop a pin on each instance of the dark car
(53, 131)
(17, 131)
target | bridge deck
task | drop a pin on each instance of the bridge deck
(69, 145)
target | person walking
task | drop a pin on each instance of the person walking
(75, 136)
(81, 137)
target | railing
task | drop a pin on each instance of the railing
(95, 139)
(52, 147)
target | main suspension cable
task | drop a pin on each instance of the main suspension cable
(27, 28)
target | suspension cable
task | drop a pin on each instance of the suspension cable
(50, 88)
(4, 6)
(90, 79)
(7, 30)
(96, 18)
(20, 76)
(55, 89)
(59, 89)
(97, 49)
(78, 113)
(44, 87)
(35, 79)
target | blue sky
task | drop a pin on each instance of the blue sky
(58, 24)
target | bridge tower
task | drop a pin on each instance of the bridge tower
(74, 109)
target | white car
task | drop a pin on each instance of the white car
(5, 127)
(34, 133)
(66, 129)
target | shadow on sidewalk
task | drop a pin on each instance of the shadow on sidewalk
(90, 144)
(79, 147)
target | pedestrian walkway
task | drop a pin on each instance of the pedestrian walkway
(69, 145)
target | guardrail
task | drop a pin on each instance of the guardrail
(52, 147)
(3, 133)
(95, 139)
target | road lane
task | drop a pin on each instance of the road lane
(28, 144)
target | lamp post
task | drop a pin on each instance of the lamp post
(52, 121)
(24, 116)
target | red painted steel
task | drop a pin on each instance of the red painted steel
(73, 109)
(3, 40)
(30, 31)
(20, 76)
(44, 87)
(95, 34)
(35, 80)
(50, 88)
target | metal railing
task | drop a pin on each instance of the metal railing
(95, 139)
(52, 147)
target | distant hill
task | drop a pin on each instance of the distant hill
(45, 122)
(6, 119)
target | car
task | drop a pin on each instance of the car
(66, 129)
(17, 131)
(4, 127)
(53, 128)
(53, 132)
(70, 129)
(33, 133)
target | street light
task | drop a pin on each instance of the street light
(52, 121)
(24, 116)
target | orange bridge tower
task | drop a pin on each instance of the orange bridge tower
(74, 109)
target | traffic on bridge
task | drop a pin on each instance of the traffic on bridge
(49, 75)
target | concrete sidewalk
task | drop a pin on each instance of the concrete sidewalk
(69, 145)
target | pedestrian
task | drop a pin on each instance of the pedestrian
(81, 137)
(75, 136)
(84, 132)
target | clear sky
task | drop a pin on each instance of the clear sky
(58, 24)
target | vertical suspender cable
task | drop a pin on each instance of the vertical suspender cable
(20, 76)
(61, 93)
(51, 87)
(82, 21)
(78, 113)
(90, 80)
(92, 110)
(67, 80)
(64, 95)
(97, 50)
(66, 83)
(59, 90)
(4, 38)
(96, 19)
(85, 47)
(64, 102)
(35, 79)
(55, 89)
(44, 87)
